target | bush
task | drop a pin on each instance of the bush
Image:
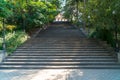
(0, 27)
(10, 27)
(105, 35)
(13, 40)
(5, 9)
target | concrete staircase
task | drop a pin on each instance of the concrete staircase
(62, 47)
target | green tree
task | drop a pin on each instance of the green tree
(102, 18)
(4, 9)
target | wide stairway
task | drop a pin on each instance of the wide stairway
(61, 47)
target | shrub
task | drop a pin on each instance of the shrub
(17, 38)
(104, 34)
(4, 9)
(10, 27)
(0, 27)
(13, 40)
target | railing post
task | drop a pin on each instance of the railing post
(4, 41)
(116, 36)
(1, 56)
(118, 54)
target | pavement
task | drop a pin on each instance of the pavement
(61, 74)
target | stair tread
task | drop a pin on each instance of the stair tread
(67, 54)
(61, 67)
(65, 59)
(61, 60)
(23, 47)
(57, 63)
(60, 57)
(61, 51)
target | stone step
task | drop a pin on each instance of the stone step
(61, 60)
(61, 51)
(59, 63)
(60, 47)
(64, 46)
(59, 57)
(61, 54)
(61, 44)
(42, 43)
(63, 39)
(60, 67)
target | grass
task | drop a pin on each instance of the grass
(13, 40)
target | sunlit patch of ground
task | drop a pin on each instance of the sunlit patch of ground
(56, 74)
(48, 74)
(61, 74)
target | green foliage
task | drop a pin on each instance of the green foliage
(0, 26)
(4, 9)
(102, 19)
(10, 27)
(35, 13)
(70, 9)
(56, 3)
(32, 14)
(40, 13)
(13, 40)
(103, 34)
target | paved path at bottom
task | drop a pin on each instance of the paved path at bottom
(61, 74)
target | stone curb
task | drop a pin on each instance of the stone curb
(35, 34)
(82, 30)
